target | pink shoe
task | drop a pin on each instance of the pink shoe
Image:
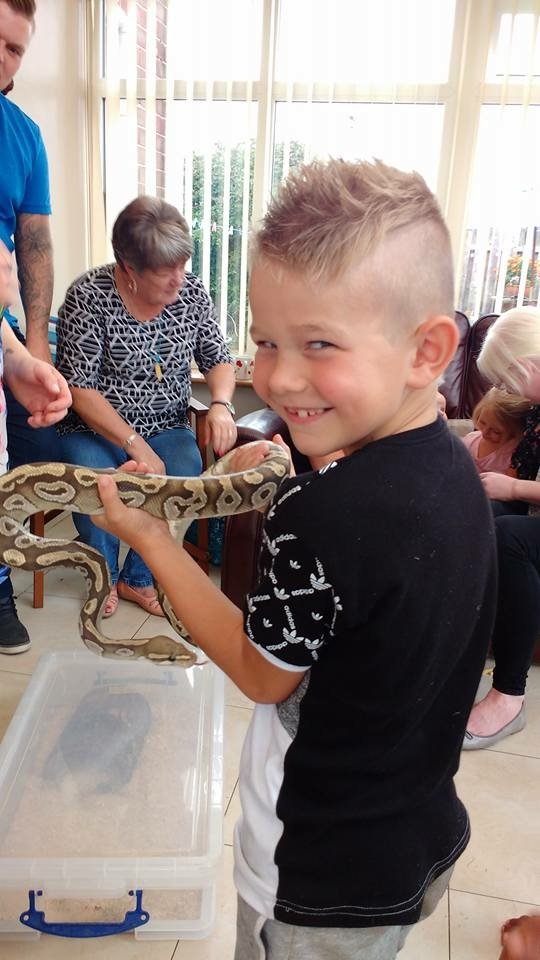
(148, 604)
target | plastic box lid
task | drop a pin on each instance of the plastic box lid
(111, 777)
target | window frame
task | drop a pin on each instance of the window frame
(462, 97)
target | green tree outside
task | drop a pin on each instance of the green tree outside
(230, 233)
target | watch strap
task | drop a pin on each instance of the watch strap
(224, 403)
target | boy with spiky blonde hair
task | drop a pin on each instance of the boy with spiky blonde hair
(366, 635)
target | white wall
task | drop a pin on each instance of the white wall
(50, 87)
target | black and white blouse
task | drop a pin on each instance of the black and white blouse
(142, 369)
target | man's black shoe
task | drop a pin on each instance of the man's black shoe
(13, 634)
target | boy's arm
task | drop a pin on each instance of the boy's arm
(214, 623)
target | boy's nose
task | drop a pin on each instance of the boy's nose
(286, 377)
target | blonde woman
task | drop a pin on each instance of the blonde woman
(510, 357)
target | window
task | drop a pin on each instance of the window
(501, 259)
(210, 103)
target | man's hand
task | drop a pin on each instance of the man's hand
(38, 386)
(498, 486)
(43, 391)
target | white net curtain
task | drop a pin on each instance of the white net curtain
(501, 257)
(210, 103)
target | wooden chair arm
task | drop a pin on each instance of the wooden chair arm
(199, 413)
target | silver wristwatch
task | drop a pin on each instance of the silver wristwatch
(225, 403)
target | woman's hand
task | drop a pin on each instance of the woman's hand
(221, 429)
(141, 452)
(498, 486)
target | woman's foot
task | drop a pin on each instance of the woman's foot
(492, 713)
(492, 719)
(144, 597)
(111, 604)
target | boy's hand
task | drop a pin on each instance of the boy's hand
(441, 405)
(250, 455)
(130, 524)
(498, 486)
(277, 438)
(521, 939)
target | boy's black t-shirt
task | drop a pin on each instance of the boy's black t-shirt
(378, 576)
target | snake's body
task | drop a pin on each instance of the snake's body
(178, 500)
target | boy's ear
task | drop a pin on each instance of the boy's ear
(436, 341)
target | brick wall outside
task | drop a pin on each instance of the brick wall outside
(161, 107)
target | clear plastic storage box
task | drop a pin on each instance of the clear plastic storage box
(111, 777)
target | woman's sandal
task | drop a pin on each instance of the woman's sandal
(111, 604)
(149, 604)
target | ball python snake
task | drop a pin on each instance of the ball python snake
(34, 487)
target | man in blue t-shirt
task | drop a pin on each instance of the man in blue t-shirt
(25, 210)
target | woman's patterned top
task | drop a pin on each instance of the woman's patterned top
(526, 457)
(142, 369)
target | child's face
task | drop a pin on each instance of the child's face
(324, 363)
(492, 429)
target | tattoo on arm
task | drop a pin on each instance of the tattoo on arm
(33, 247)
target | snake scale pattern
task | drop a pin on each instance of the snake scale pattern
(178, 500)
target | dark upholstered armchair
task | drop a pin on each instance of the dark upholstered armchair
(463, 385)
(242, 536)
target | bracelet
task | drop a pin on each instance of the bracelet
(129, 441)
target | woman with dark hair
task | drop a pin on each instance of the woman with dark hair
(127, 334)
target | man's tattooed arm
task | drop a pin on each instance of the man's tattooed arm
(33, 248)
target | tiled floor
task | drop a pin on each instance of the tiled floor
(498, 876)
